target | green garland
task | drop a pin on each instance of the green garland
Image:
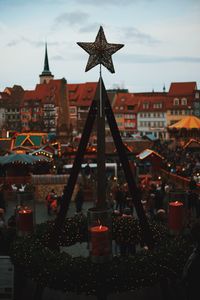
(60, 271)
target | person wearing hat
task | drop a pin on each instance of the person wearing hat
(2, 219)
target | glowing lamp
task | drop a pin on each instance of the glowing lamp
(99, 229)
(25, 220)
(176, 216)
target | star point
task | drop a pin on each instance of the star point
(100, 52)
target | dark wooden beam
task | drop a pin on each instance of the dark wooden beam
(133, 189)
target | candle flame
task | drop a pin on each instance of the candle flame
(99, 223)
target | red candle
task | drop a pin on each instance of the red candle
(100, 241)
(25, 220)
(175, 217)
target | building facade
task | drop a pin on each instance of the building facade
(151, 115)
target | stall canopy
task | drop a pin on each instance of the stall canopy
(189, 122)
(148, 152)
(192, 144)
(150, 136)
(21, 158)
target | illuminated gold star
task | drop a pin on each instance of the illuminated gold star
(100, 52)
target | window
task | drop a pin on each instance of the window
(157, 105)
(83, 108)
(197, 95)
(36, 109)
(184, 101)
(176, 101)
(129, 125)
(146, 105)
(128, 116)
(130, 107)
(72, 110)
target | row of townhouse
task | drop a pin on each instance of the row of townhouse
(56, 106)
(152, 113)
(59, 107)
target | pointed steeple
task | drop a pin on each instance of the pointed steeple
(46, 61)
(164, 89)
(46, 75)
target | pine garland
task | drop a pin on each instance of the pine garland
(60, 271)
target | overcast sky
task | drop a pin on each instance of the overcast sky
(162, 41)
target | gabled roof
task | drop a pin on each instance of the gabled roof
(188, 122)
(46, 150)
(123, 101)
(170, 102)
(151, 103)
(81, 94)
(46, 92)
(32, 140)
(14, 96)
(192, 144)
(182, 88)
(147, 152)
(4, 96)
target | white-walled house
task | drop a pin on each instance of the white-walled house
(151, 116)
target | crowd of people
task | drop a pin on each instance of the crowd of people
(53, 201)
(179, 160)
(154, 196)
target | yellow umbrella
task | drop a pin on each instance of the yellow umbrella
(188, 122)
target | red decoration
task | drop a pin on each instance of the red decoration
(100, 241)
(25, 220)
(175, 217)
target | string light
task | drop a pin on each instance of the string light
(60, 271)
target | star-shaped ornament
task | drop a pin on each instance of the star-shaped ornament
(100, 52)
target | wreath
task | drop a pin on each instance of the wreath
(60, 271)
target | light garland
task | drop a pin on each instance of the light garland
(60, 271)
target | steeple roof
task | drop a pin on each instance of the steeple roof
(46, 71)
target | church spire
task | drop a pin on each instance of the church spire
(46, 75)
(46, 60)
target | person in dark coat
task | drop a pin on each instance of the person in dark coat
(193, 204)
(191, 271)
(120, 199)
(2, 200)
(79, 199)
